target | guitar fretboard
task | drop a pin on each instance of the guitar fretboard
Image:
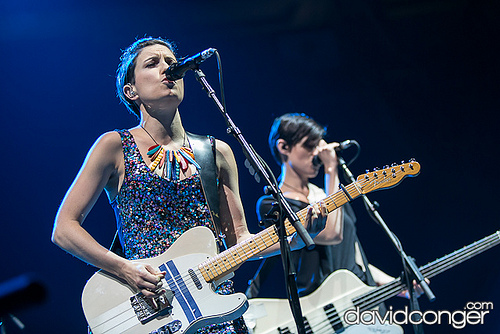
(227, 260)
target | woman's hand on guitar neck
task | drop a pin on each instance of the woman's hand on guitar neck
(418, 290)
(315, 222)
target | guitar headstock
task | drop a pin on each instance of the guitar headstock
(388, 177)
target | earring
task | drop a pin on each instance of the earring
(132, 93)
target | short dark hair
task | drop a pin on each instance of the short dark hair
(125, 71)
(292, 128)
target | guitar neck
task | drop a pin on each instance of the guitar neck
(384, 292)
(229, 259)
(449, 261)
(225, 262)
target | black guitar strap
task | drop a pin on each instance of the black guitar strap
(205, 155)
(369, 278)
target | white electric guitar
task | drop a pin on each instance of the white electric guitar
(188, 301)
(323, 309)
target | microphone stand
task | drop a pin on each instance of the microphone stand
(273, 189)
(411, 271)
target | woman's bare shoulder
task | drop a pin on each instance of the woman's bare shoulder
(107, 149)
(108, 141)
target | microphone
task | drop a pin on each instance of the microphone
(177, 71)
(342, 146)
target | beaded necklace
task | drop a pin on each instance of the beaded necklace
(169, 163)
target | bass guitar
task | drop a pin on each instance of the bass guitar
(324, 308)
(188, 301)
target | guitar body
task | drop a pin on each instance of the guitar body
(267, 315)
(193, 302)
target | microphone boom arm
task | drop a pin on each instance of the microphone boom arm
(251, 155)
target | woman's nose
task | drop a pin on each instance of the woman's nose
(164, 65)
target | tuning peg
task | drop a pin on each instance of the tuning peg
(411, 163)
(394, 164)
(386, 166)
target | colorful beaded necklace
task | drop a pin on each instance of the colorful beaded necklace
(169, 163)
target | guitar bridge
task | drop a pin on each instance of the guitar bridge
(147, 309)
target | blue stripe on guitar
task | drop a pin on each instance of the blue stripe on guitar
(177, 294)
(185, 291)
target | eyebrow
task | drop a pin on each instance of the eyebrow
(157, 56)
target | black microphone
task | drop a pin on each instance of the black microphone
(342, 146)
(177, 71)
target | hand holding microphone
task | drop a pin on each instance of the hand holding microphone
(332, 147)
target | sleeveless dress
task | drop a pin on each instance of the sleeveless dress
(152, 212)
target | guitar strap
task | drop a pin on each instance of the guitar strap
(369, 278)
(205, 155)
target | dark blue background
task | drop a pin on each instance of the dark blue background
(405, 79)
